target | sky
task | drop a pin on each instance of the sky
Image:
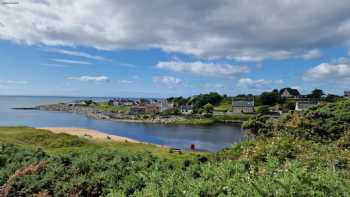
(133, 48)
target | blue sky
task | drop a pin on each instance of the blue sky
(131, 51)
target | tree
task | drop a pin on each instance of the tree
(208, 108)
(110, 103)
(269, 98)
(316, 93)
(178, 101)
(332, 98)
(264, 109)
(203, 99)
(259, 126)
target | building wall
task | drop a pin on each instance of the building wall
(299, 106)
(137, 110)
(152, 110)
(186, 112)
(243, 109)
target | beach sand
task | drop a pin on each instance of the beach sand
(81, 132)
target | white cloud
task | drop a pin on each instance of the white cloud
(169, 81)
(326, 71)
(125, 81)
(258, 85)
(204, 69)
(312, 54)
(76, 54)
(209, 29)
(67, 61)
(253, 84)
(91, 78)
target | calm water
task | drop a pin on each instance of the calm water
(210, 138)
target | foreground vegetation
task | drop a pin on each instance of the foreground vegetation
(302, 154)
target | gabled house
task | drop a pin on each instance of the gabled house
(243, 106)
(137, 110)
(186, 109)
(81, 103)
(289, 93)
(165, 105)
(144, 109)
(121, 101)
(152, 109)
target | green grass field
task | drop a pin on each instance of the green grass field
(115, 109)
(225, 106)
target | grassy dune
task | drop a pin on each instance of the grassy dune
(31, 138)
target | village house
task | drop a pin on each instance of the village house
(186, 109)
(137, 110)
(305, 104)
(243, 106)
(152, 109)
(144, 109)
(289, 93)
(165, 105)
(118, 102)
(80, 103)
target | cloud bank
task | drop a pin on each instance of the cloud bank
(258, 84)
(204, 69)
(242, 30)
(76, 54)
(91, 78)
(68, 61)
(325, 71)
(169, 81)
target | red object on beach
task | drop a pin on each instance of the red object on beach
(193, 147)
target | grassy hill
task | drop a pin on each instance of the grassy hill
(303, 154)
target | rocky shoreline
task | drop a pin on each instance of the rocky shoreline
(105, 115)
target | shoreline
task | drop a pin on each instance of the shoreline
(118, 117)
(95, 135)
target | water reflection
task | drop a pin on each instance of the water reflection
(211, 138)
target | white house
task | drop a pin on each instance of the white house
(243, 106)
(165, 105)
(186, 109)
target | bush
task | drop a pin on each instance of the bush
(263, 110)
(304, 154)
(259, 126)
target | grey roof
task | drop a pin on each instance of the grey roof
(243, 103)
(293, 92)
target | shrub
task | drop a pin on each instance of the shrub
(263, 110)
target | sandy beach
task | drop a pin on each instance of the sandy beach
(81, 132)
